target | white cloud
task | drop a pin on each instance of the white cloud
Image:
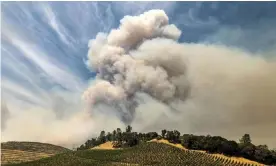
(53, 22)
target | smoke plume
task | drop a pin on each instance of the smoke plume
(121, 74)
(5, 114)
(146, 78)
(206, 88)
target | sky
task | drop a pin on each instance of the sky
(44, 45)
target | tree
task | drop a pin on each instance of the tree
(141, 136)
(262, 153)
(248, 151)
(170, 136)
(102, 138)
(163, 133)
(119, 135)
(186, 140)
(176, 136)
(229, 148)
(131, 139)
(109, 136)
(151, 135)
(128, 129)
(173, 136)
(119, 130)
(245, 139)
(114, 135)
(81, 147)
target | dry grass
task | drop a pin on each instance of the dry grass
(34, 147)
(167, 142)
(16, 152)
(106, 146)
(17, 156)
(236, 159)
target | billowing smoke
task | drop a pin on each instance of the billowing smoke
(122, 73)
(141, 68)
(5, 114)
(40, 124)
(146, 78)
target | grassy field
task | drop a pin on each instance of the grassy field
(33, 147)
(16, 152)
(151, 153)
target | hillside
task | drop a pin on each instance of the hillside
(242, 151)
(234, 159)
(107, 145)
(150, 153)
(15, 152)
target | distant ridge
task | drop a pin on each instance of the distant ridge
(238, 160)
(15, 152)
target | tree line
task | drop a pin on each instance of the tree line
(212, 144)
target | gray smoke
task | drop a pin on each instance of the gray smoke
(120, 75)
(5, 114)
(153, 82)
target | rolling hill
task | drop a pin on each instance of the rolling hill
(17, 152)
(149, 153)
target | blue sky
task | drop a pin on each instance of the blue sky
(44, 44)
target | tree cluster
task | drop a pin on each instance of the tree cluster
(119, 138)
(171, 136)
(217, 144)
(211, 144)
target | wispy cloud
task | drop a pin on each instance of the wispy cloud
(135, 8)
(53, 22)
(51, 68)
(44, 46)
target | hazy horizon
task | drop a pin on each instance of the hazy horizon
(72, 69)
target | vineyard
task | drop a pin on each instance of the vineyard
(150, 153)
(219, 156)
(18, 156)
(33, 147)
(17, 152)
